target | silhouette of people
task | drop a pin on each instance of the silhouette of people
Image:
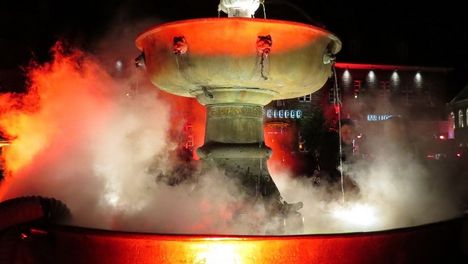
(331, 156)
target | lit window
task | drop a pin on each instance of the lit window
(466, 116)
(452, 119)
(460, 119)
(384, 87)
(357, 88)
(301, 145)
(189, 142)
(305, 98)
(280, 103)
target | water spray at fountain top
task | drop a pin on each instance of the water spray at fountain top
(239, 8)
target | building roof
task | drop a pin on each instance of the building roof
(363, 66)
(461, 96)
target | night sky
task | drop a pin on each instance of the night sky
(398, 32)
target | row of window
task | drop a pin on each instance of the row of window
(462, 118)
(385, 87)
(305, 98)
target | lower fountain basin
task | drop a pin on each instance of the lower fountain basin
(433, 243)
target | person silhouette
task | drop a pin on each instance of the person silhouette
(336, 149)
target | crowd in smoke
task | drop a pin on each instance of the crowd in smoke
(99, 138)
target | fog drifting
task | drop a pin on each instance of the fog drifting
(98, 138)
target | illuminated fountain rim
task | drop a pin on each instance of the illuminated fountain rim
(31, 235)
(419, 244)
(253, 21)
(203, 236)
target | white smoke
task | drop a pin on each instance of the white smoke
(397, 188)
(107, 142)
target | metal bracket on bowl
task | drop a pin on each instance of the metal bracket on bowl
(140, 61)
(207, 93)
(179, 45)
(180, 50)
(264, 44)
(329, 57)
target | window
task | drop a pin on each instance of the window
(305, 98)
(357, 86)
(409, 94)
(466, 116)
(189, 142)
(460, 119)
(452, 119)
(280, 103)
(188, 137)
(384, 87)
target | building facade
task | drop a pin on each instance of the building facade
(458, 117)
(368, 94)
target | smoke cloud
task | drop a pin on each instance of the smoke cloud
(93, 133)
(398, 186)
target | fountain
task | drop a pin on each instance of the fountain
(234, 66)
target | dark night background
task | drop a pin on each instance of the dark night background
(419, 33)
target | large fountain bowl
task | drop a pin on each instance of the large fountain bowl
(222, 57)
(434, 243)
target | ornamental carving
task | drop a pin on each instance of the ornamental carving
(235, 111)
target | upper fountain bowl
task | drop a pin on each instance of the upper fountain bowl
(229, 60)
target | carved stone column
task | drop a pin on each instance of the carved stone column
(234, 143)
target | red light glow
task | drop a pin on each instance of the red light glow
(197, 31)
(70, 102)
(281, 138)
(185, 111)
(32, 120)
(359, 66)
(423, 244)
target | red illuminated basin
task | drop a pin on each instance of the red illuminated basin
(433, 243)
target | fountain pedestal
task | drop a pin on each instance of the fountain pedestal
(234, 142)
